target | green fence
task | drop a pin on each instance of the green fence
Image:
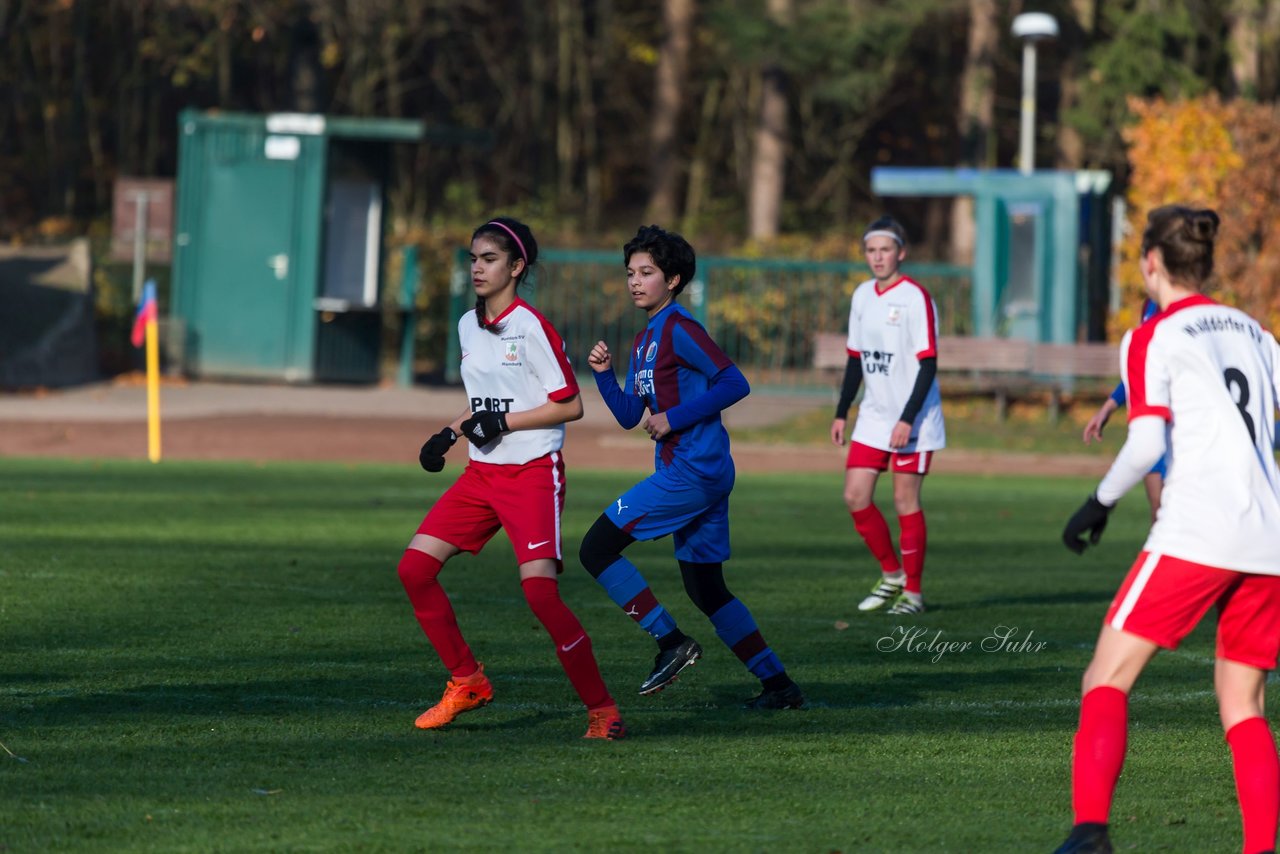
(765, 313)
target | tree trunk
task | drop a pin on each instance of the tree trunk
(669, 85)
(536, 108)
(699, 166)
(304, 63)
(132, 101)
(1246, 19)
(566, 153)
(769, 155)
(1269, 60)
(977, 115)
(82, 102)
(587, 67)
(226, 22)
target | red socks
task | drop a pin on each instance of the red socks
(418, 571)
(1099, 752)
(1257, 772)
(1099, 756)
(871, 526)
(912, 543)
(573, 647)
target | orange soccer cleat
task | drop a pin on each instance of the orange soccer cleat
(605, 722)
(460, 695)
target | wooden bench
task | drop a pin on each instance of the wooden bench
(1069, 369)
(1004, 367)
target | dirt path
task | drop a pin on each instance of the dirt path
(225, 421)
(396, 440)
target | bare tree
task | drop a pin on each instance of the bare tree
(977, 114)
(1269, 60)
(1246, 20)
(587, 69)
(700, 167)
(769, 154)
(671, 79)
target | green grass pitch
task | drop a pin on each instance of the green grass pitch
(219, 657)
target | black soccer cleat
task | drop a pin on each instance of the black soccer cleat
(669, 663)
(789, 697)
(1087, 838)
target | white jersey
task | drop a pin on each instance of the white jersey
(521, 367)
(892, 330)
(1210, 371)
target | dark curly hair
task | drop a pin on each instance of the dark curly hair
(516, 239)
(670, 252)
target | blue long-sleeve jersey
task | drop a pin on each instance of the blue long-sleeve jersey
(676, 368)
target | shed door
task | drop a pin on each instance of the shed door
(247, 287)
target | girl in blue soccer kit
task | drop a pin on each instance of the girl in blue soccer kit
(684, 380)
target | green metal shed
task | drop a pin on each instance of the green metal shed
(1042, 261)
(278, 245)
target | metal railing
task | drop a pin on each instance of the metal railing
(765, 313)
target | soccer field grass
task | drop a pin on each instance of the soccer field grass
(219, 657)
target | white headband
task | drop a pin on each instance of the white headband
(880, 232)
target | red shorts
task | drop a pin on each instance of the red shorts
(1163, 598)
(866, 457)
(526, 500)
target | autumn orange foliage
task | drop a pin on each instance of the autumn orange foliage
(1208, 153)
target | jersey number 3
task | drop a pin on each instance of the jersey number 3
(1238, 385)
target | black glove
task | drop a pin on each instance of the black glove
(431, 457)
(483, 427)
(1090, 519)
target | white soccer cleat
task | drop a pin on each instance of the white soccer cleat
(906, 604)
(882, 594)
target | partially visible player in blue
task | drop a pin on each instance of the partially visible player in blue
(1153, 482)
(684, 380)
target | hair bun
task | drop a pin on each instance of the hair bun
(1202, 225)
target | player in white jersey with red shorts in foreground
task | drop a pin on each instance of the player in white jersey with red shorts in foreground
(1202, 380)
(893, 349)
(522, 390)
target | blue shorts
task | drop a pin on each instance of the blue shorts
(697, 516)
(1161, 467)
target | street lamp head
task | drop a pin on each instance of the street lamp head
(1035, 26)
(1032, 28)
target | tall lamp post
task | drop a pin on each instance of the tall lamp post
(1031, 27)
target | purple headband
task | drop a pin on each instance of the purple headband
(524, 256)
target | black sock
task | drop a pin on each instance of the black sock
(1089, 828)
(671, 640)
(780, 682)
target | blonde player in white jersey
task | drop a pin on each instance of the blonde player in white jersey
(1202, 380)
(893, 349)
(522, 391)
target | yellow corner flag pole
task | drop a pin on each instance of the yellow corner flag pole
(146, 328)
(153, 390)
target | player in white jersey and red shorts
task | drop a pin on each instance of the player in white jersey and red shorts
(893, 351)
(522, 390)
(1202, 380)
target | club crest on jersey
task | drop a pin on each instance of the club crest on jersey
(651, 352)
(894, 315)
(513, 352)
